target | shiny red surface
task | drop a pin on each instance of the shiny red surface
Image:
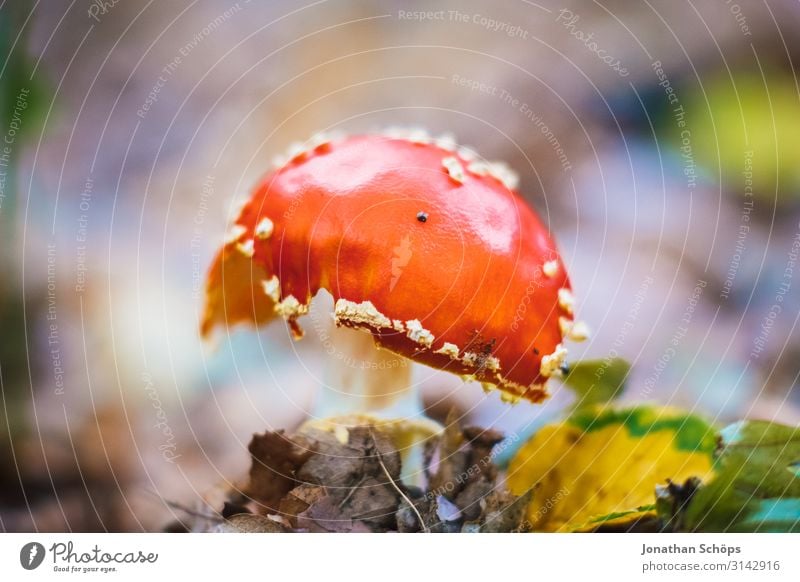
(346, 219)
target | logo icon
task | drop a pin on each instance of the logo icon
(402, 255)
(31, 555)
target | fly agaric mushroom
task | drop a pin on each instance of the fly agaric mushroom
(421, 244)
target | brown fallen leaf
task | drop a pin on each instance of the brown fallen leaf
(360, 479)
(276, 460)
(298, 500)
(470, 499)
(432, 511)
(505, 512)
(326, 516)
(450, 460)
(481, 443)
(337, 465)
(349, 481)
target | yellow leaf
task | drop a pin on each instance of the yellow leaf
(603, 461)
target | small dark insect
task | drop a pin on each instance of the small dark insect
(422, 216)
(535, 351)
(564, 369)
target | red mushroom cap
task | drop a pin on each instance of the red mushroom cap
(419, 243)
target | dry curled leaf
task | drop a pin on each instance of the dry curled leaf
(276, 460)
(349, 481)
(504, 512)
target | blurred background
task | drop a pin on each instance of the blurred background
(659, 140)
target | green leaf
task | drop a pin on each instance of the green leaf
(692, 433)
(756, 487)
(642, 519)
(771, 515)
(21, 104)
(21, 97)
(597, 381)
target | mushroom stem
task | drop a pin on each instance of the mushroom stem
(362, 378)
(367, 385)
